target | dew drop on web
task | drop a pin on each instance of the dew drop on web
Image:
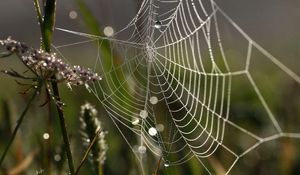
(167, 163)
(153, 100)
(152, 131)
(46, 136)
(157, 24)
(73, 14)
(135, 121)
(108, 31)
(160, 127)
(57, 157)
(143, 114)
(142, 149)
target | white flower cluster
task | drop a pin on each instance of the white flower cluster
(47, 65)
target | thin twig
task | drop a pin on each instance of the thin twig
(157, 166)
(88, 151)
(63, 127)
(20, 120)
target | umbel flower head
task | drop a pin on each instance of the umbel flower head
(90, 125)
(46, 65)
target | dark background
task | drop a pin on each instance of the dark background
(274, 24)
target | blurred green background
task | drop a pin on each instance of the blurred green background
(273, 24)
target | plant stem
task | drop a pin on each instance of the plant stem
(47, 27)
(20, 120)
(88, 151)
(64, 129)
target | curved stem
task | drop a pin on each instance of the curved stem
(88, 151)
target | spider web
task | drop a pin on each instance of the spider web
(168, 84)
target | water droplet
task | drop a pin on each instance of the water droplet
(73, 14)
(152, 131)
(167, 163)
(46, 136)
(135, 121)
(88, 140)
(153, 100)
(144, 114)
(57, 157)
(160, 127)
(157, 24)
(108, 31)
(142, 149)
